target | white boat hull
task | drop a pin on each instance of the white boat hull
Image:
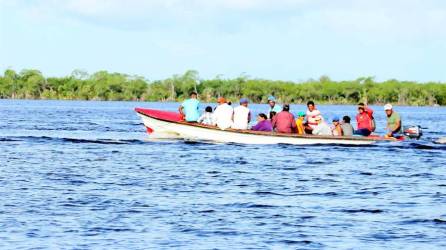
(199, 133)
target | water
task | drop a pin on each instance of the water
(83, 175)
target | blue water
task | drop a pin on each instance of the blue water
(84, 175)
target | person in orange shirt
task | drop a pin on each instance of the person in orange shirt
(300, 123)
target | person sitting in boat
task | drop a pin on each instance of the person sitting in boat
(312, 114)
(189, 108)
(271, 115)
(336, 130)
(273, 106)
(242, 115)
(284, 121)
(223, 114)
(207, 117)
(347, 128)
(364, 122)
(321, 128)
(263, 124)
(300, 123)
(394, 123)
(369, 112)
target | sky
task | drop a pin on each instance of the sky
(273, 39)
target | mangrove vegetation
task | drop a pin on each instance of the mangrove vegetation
(103, 85)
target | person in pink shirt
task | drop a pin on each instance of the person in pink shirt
(364, 122)
(284, 122)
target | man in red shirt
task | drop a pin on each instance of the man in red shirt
(364, 122)
(284, 122)
(369, 112)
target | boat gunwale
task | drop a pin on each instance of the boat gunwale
(265, 133)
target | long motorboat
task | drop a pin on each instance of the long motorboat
(165, 122)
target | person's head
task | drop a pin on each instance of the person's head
(310, 105)
(272, 114)
(335, 120)
(346, 119)
(271, 101)
(261, 117)
(208, 109)
(361, 109)
(193, 95)
(221, 100)
(361, 104)
(286, 107)
(301, 115)
(318, 119)
(244, 102)
(388, 109)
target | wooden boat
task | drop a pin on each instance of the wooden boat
(157, 121)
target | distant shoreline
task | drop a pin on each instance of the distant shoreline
(215, 102)
(106, 86)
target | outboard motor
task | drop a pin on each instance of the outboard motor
(413, 131)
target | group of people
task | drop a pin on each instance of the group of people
(281, 120)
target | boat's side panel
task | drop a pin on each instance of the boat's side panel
(200, 133)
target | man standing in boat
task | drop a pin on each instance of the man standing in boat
(189, 108)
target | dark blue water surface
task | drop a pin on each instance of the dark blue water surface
(84, 175)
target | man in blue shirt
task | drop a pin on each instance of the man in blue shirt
(189, 108)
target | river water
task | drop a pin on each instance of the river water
(84, 175)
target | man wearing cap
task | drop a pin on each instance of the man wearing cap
(223, 114)
(273, 107)
(242, 115)
(189, 108)
(336, 130)
(300, 123)
(321, 128)
(284, 121)
(393, 121)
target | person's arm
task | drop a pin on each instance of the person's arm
(255, 127)
(339, 129)
(215, 116)
(315, 130)
(397, 126)
(273, 122)
(201, 119)
(293, 122)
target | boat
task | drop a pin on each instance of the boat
(171, 124)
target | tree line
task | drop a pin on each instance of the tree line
(103, 85)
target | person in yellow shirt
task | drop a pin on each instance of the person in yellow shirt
(300, 123)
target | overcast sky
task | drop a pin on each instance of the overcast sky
(283, 40)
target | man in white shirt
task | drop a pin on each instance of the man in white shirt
(322, 128)
(312, 114)
(242, 115)
(223, 114)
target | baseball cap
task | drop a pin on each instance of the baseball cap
(388, 106)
